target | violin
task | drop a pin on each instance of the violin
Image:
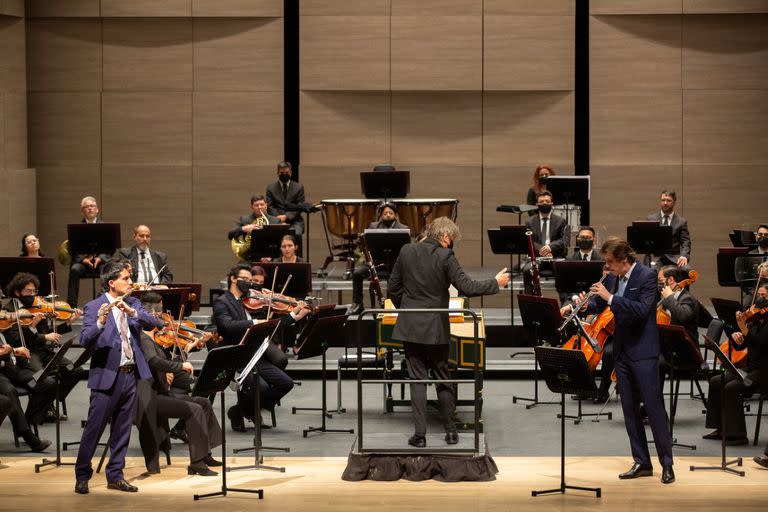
(59, 309)
(8, 319)
(664, 318)
(281, 304)
(186, 328)
(737, 355)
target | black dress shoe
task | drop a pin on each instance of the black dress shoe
(636, 471)
(211, 462)
(122, 485)
(452, 437)
(201, 469)
(236, 419)
(418, 441)
(81, 486)
(762, 460)
(667, 475)
(179, 435)
(35, 443)
(715, 434)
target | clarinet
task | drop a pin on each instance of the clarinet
(535, 280)
(375, 283)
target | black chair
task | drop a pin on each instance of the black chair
(714, 332)
(16, 435)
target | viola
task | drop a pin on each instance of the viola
(59, 309)
(8, 319)
(281, 304)
(664, 318)
(737, 355)
(186, 328)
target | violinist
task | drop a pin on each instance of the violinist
(232, 320)
(157, 403)
(677, 302)
(41, 337)
(83, 264)
(145, 262)
(752, 334)
(30, 246)
(15, 371)
(761, 237)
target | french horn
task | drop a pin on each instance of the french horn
(242, 243)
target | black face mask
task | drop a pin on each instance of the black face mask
(545, 208)
(763, 243)
(761, 303)
(585, 244)
(27, 300)
(244, 285)
(284, 178)
(660, 285)
(388, 223)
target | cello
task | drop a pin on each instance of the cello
(597, 329)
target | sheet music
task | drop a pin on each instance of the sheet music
(252, 363)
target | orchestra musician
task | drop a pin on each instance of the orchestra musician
(630, 293)
(248, 223)
(681, 238)
(16, 371)
(84, 263)
(288, 247)
(285, 192)
(550, 237)
(145, 261)
(387, 220)
(30, 246)
(754, 336)
(112, 325)
(40, 337)
(157, 403)
(232, 321)
(761, 236)
(540, 175)
(421, 276)
(678, 302)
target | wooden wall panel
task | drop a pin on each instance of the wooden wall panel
(147, 128)
(516, 56)
(12, 8)
(145, 8)
(237, 128)
(345, 52)
(635, 7)
(15, 130)
(723, 126)
(64, 55)
(725, 52)
(547, 7)
(437, 7)
(345, 8)
(147, 54)
(237, 8)
(59, 9)
(238, 54)
(344, 128)
(634, 52)
(635, 127)
(13, 71)
(2, 130)
(64, 127)
(436, 128)
(725, 6)
(22, 206)
(436, 53)
(528, 127)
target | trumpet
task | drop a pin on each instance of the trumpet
(580, 304)
(241, 244)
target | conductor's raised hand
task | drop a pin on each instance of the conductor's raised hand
(502, 277)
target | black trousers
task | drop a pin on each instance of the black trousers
(76, 272)
(6, 406)
(40, 398)
(735, 423)
(360, 274)
(69, 378)
(420, 359)
(274, 384)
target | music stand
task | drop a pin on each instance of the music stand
(173, 298)
(316, 344)
(258, 336)
(384, 245)
(300, 285)
(725, 365)
(565, 371)
(726, 265)
(218, 370)
(541, 318)
(385, 184)
(649, 237)
(680, 350)
(509, 240)
(52, 369)
(195, 292)
(569, 190)
(39, 267)
(577, 276)
(99, 238)
(265, 242)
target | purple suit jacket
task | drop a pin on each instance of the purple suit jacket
(105, 345)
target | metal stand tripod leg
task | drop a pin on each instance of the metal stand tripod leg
(57, 461)
(323, 410)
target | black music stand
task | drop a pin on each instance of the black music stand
(577, 276)
(316, 344)
(649, 237)
(173, 298)
(569, 190)
(265, 242)
(726, 265)
(385, 247)
(300, 285)
(195, 293)
(509, 240)
(39, 267)
(385, 184)
(541, 318)
(99, 238)
(679, 350)
(565, 371)
(258, 336)
(726, 365)
(52, 369)
(218, 370)
(726, 310)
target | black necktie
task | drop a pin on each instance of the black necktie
(666, 221)
(584, 257)
(545, 231)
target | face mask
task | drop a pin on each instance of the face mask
(763, 243)
(389, 223)
(27, 300)
(761, 302)
(244, 285)
(256, 286)
(584, 244)
(545, 208)
(284, 178)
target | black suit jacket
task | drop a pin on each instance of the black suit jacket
(158, 259)
(681, 239)
(380, 225)
(277, 201)
(159, 364)
(558, 237)
(684, 311)
(576, 256)
(420, 279)
(245, 220)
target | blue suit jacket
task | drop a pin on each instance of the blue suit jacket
(636, 333)
(105, 345)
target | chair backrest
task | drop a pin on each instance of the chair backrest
(715, 329)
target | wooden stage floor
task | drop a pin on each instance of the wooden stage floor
(314, 484)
